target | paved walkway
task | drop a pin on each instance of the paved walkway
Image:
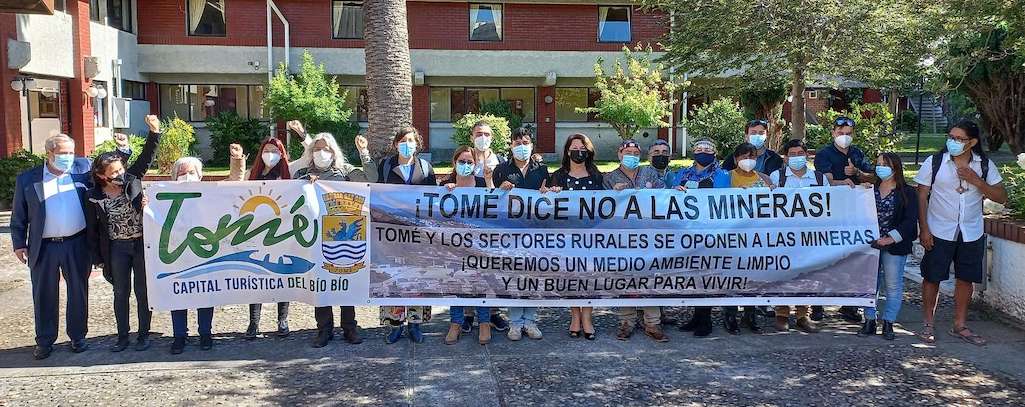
(833, 368)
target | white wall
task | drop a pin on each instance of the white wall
(51, 43)
(1005, 289)
(109, 44)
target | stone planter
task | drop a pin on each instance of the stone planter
(1004, 288)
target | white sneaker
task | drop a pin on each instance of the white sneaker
(532, 331)
(515, 333)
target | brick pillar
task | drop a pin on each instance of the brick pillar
(545, 119)
(10, 101)
(422, 113)
(153, 97)
(80, 105)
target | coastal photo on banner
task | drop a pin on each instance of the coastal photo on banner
(358, 244)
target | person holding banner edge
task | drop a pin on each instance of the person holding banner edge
(405, 168)
(796, 174)
(952, 186)
(897, 211)
(113, 217)
(521, 171)
(270, 164)
(464, 162)
(577, 173)
(843, 164)
(190, 169)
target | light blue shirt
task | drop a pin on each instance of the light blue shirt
(64, 215)
(407, 171)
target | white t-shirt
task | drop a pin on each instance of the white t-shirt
(950, 211)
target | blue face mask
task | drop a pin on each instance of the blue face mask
(63, 162)
(631, 161)
(522, 151)
(954, 147)
(758, 140)
(884, 172)
(705, 159)
(407, 148)
(464, 170)
(797, 163)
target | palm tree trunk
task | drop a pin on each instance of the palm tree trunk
(389, 76)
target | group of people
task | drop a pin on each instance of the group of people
(70, 215)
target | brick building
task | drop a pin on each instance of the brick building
(98, 66)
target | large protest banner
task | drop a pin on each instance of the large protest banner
(358, 244)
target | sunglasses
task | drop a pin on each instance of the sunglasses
(843, 121)
(758, 122)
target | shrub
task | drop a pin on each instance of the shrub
(227, 128)
(134, 141)
(502, 108)
(721, 121)
(10, 167)
(1014, 182)
(874, 132)
(908, 121)
(499, 131)
(176, 142)
(310, 96)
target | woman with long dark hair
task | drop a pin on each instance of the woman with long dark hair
(577, 173)
(897, 210)
(271, 164)
(407, 168)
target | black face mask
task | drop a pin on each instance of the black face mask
(579, 156)
(660, 162)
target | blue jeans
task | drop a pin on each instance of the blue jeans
(180, 321)
(891, 284)
(520, 316)
(457, 314)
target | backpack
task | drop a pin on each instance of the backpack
(819, 178)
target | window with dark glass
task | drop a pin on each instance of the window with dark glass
(485, 22)
(567, 100)
(450, 104)
(347, 19)
(119, 14)
(134, 90)
(614, 23)
(60, 5)
(356, 101)
(196, 103)
(206, 17)
(94, 11)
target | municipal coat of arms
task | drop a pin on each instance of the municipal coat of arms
(344, 239)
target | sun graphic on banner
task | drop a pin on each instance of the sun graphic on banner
(259, 198)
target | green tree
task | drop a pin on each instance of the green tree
(721, 121)
(311, 96)
(500, 131)
(634, 97)
(764, 100)
(881, 42)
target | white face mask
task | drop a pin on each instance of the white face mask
(271, 159)
(747, 164)
(843, 141)
(482, 143)
(188, 177)
(323, 158)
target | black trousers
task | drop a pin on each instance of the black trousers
(128, 270)
(68, 258)
(326, 318)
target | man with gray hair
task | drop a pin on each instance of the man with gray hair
(48, 232)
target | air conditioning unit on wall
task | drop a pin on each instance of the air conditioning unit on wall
(120, 116)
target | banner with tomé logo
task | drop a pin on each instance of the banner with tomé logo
(358, 244)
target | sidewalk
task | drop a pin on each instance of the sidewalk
(833, 368)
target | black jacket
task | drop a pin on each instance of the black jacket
(96, 219)
(388, 172)
(905, 221)
(772, 163)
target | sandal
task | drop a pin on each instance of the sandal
(970, 337)
(928, 334)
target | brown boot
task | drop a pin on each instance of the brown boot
(782, 323)
(655, 332)
(806, 325)
(625, 331)
(453, 334)
(485, 333)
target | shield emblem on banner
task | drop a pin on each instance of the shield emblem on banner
(344, 240)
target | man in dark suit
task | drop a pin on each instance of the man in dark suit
(48, 231)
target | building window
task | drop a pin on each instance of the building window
(347, 19)
(451, 104)
(100, 113)
(485, 22)
(119, 14)
(134, 90)
(357, 102)
(196, 103)
(613, 24)
(567, 100)
(47, 104)
(94, 11)
(60, 5)
(206, 17)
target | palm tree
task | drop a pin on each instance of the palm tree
(389, 76)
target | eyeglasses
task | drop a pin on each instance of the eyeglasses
(963, 140)
(465, 162)
(843, 121)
